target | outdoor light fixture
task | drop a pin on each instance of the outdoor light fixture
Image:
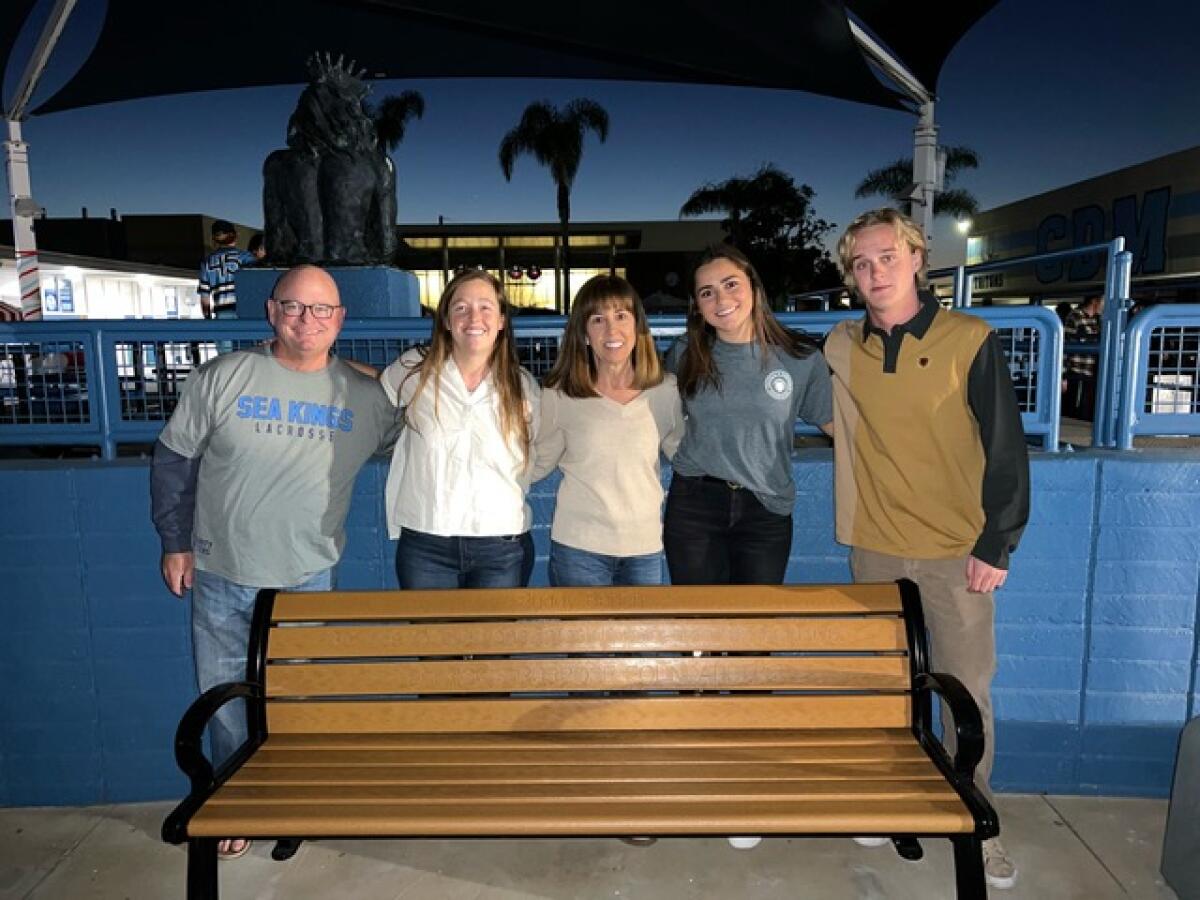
(514, 273)
(533, 273)
(964, 225)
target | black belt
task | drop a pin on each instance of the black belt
(732, 485)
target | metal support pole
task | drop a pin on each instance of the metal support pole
(962, 298)
(558, 277)
(925, 170)
(22, 207)
(1110, 369)
(16, 153)
(925, 150)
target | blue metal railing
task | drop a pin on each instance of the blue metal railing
(1160, 387)
(109, 382)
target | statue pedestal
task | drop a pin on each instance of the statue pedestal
(368, 292)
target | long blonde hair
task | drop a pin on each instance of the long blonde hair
(574, 371)
(504, 363)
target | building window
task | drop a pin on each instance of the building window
(974, 251)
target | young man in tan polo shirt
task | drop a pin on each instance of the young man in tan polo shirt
(931, 471)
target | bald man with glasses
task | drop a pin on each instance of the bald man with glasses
(252, 477)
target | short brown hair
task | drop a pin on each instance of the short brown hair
(907, 232)
(574, 371)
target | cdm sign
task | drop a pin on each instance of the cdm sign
(1144, 228)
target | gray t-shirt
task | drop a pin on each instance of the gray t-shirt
(279, 451)
(744, 432)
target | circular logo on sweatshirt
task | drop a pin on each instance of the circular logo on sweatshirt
(778, 384)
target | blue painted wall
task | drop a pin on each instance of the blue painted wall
(1097, 626)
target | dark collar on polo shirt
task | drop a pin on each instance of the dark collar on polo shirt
(917, 326)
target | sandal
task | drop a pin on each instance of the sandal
(227, 849)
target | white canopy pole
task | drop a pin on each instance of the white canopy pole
(16, 153)
(926, 182)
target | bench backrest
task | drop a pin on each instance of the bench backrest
(587, 659)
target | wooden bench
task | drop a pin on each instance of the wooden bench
(793, 710)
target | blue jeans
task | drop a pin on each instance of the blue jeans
(221, 614)
(717, 534)
(431, 562)
(571, 567)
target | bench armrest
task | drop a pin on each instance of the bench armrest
(968, 723)
(189, 753)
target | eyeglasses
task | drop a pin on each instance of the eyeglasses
(294, 309)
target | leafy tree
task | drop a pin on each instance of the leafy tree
(554, 137)
(772, 220)
(891, 181)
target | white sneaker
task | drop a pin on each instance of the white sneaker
(998, 867)
(872, 841)
(744, 843)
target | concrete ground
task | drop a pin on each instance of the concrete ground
(1066, 847)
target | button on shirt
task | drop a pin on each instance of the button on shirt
(453, 474)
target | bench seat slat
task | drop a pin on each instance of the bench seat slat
(593, 772)
(825, 816)
(641, 673)
(549, 740)
(867, 633)
(519, 603)
(337, 793)
(623, 714)
(595, 755)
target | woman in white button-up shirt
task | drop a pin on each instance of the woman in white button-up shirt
(456, 487)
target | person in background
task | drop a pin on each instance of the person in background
(257, 247)
(455, 491)
(217, 271)
(608, 411)
(1079, 370)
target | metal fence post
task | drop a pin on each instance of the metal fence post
(1116, 283)
(961, 299)
(108, 443)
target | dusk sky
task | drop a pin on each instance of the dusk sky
(1047, 93)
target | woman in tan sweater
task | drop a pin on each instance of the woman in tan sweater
(608, 410)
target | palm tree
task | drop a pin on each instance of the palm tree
(394, 114)
(734, 197)
(555, 138)
(892, 181)
(773, 220)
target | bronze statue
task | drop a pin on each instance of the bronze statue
(330, 197)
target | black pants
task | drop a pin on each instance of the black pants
(717, 534)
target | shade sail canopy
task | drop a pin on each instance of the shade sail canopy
(150, 48)
(921, 37)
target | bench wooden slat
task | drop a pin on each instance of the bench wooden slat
(551, 740)
(868, 633)
(593, 755)
(492, 676)
(624, 714)
(902, 816)
(522, 603)
(567, 792)
(574, 756)
(661, 773)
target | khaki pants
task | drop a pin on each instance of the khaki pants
(961, 636)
